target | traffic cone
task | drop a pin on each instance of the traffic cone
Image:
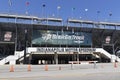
(11, 68)
(46, 67)
(29, 67)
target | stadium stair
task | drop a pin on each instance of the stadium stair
(11, 59)
(8, 59)
(112, 57)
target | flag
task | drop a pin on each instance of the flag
(110, 14)
(27, 3)
(9, 2)
(73, 8)
(86, 9)
(58, 7)
(43, 5)
(98, 11)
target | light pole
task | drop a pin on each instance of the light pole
(16, 35)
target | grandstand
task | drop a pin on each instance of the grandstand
(34, 40)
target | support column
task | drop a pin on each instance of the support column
(75, 56)
(78, 57)
(30, 58)
(56, 57)
(25, 45)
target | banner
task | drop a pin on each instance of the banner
(63, 49)
(61, 38)
(108, 39)
(7, 36)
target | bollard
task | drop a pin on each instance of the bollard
(95, 65)
(29, 67)
(59, 67)
(46, 67)
(11, 68)
(72, 66)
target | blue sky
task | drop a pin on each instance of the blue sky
(35, 8)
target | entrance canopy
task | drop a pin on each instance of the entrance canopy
(59, 49)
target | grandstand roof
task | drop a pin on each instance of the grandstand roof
(45, 21)
(92, 22)
(14, 16)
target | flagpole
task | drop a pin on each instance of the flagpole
(86, 10)
(72, 12)
(110, 14)
(10, 4)
(58, 8)
(98, 12)
(27, 4)
(43, 10)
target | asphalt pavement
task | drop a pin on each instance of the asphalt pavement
(104, 71)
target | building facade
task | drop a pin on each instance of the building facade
(78, 38)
